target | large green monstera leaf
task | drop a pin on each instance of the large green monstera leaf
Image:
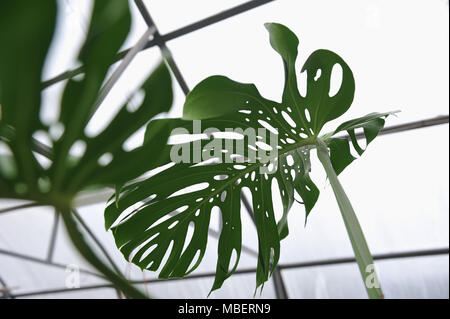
(26, 29)
(150, 219)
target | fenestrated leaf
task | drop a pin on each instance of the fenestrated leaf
(24, 37)
(20, 76)
(107, 31)
(26, 28)
(165, 212)
(150, 216)
(151, 219)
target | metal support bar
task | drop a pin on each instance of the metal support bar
(346, 260)
(63, 290)
(44, 262)
(443, 119)
(170, 36)
(215, 18)
(159, 40)
(418, 253)
(122, 66)
(438, 120)
(96, 240)
(51, 247)
(280, 288)
(5, 290)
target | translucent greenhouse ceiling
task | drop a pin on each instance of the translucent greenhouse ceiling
(398, 52)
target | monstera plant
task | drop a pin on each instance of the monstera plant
(250, 143)
(26, 29)
(150, 219)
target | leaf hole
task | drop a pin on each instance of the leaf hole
(233, 261)
(223, 196)
(318, 74)
(78, 149)
(189, 235)
(307, 115)
(290, 160)
(290, 140)
(56, 130)
(136, 100)
(335, 79)
(268, 126)
(190, 189)
(288, 119)
(105, 159)
(303, 135)
(195, 261)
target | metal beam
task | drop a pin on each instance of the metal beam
(387, 256)
(44, 262)
(215, 18)
(102, 248)
(438, 120)
(280, 288)
(170, 36)
(117, 73)
(159, 40)
(54, 233)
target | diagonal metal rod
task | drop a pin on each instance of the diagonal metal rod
(166, 53)
(122, 66)
(5, 290)
(215, 18)
(279, 286)
(54, 233)
(387, 256)
(96, 240)
(438, 120)
(170, 36)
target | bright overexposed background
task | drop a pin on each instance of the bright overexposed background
(398, 52)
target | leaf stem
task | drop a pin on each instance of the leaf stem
(359, 244)
(86, 251)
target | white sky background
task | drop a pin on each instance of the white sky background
(398, 52)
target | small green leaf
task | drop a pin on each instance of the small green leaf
(340, 153)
